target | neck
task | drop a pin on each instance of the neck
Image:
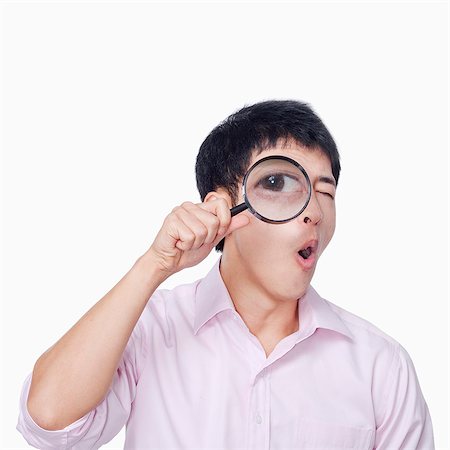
(268, 318)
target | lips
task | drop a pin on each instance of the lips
(307, 254)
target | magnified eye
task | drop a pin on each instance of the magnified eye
(279, 182)
(274, 182)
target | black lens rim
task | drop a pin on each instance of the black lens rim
(244, 190)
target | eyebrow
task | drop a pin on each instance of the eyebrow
(327, 180)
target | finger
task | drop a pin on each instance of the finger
(219, 207)
(184, 236)
(208, 219)
(195, 225)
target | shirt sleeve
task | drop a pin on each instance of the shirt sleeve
(406, 422)
(104, 422)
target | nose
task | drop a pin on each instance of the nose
(312, 211)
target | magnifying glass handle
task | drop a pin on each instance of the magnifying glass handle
(237, 209)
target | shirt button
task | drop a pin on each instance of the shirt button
(258, 419)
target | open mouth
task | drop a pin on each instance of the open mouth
(308, 252)
(305, 253)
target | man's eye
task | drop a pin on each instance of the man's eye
(326, 193)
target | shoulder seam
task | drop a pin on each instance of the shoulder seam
(372, 328)
(390, 384)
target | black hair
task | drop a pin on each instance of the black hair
(225, 154)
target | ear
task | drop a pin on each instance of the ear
(219, 193)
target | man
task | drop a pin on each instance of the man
(249, 357)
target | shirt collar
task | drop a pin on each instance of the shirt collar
(321, 313)
(212, 297)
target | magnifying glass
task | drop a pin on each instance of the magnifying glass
(276, 189)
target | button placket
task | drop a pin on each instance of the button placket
(259, 411)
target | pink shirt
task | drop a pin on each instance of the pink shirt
(193, 376)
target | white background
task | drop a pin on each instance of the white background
(104, 107)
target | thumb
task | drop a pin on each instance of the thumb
(237, 221)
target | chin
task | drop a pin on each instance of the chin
(293, 288)
(285, 278)
(301, 283)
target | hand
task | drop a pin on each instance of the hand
(191, 231)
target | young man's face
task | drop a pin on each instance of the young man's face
(267, 255)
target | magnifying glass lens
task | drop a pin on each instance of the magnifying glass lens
(277, 189)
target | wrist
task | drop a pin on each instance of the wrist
(150, 269)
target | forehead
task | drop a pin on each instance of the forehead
(314, 161)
